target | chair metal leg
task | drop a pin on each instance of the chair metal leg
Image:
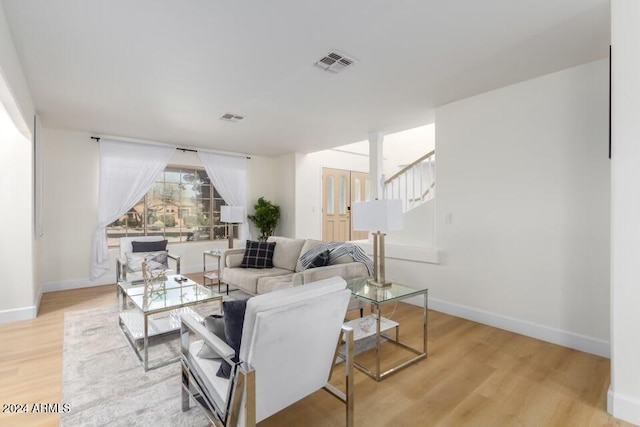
(185, 388)
(244, 386)
(250, 399)
(347, 397)
(184, 348)
(348, 367)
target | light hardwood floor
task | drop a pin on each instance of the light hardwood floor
(475, 375)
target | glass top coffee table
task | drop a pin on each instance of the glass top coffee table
(156, 311)
(376, 325)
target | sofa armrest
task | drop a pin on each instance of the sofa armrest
(349, 270)
(230, 257)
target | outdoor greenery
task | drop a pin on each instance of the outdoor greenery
(265, 218)
(182, 205)
(168, 220)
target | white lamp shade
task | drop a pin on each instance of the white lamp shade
(234, 214)
(378, 215)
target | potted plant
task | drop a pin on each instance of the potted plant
(265, 218)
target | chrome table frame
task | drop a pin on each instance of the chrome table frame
(214, 275)
(123, 297)
(356, 286)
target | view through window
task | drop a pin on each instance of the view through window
(182, 205)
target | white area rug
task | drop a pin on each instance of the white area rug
(104, 382)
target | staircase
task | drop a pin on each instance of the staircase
(414, 184)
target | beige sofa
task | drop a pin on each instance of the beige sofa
(287, 271)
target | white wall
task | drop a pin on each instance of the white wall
(402, 148)
(419, 227)
(308, 186)
(273, 179)
(524, 176)
(16, 223)
(12, 74)
(20, 293)
(71, 173)
(624, 393)
(283, 194)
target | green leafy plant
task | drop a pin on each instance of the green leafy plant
(265, 218)
(168, 220)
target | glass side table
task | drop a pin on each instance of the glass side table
(213, 276)
(364, 327)
(155, 310)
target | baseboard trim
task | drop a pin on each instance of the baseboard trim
(519, 326)
(107, 279)
(623, 407)
(18, 314)
(75, 284)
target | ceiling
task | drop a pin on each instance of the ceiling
(166, 70)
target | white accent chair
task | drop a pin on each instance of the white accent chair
(122, 273)
(290, 343)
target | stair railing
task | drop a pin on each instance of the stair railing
(414, 184)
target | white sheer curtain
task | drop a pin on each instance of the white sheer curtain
(127, 171)
(229, 176)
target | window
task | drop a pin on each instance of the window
(182, 205)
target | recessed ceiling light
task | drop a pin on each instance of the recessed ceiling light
(228, 117)
(334, 62)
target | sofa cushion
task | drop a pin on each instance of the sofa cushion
(258, 254)
(217, 387)
(287, 252)
(347, 271)
(344, 259)
(273, 283)
(247, 278)
(308, 245)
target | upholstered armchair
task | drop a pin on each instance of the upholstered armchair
(290, 342)
(125, 269)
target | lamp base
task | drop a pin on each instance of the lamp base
(230, 234)
(377, 284)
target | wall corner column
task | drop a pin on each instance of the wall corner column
(376, 142)
(624, 392)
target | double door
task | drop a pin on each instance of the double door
(340, 188)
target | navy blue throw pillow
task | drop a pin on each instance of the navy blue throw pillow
(158, 245)
(321, 260)
(233, 321)
(258, 254)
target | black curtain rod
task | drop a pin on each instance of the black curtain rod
(184, 150)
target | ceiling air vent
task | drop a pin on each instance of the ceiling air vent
(334, 62)
(228, 117)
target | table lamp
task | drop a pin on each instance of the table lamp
(378, 216)
(231, 215)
